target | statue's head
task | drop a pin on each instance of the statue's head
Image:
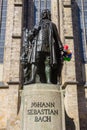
(46, 14)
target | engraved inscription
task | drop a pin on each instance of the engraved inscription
(42, 111)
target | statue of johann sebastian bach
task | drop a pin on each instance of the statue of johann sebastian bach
(44, 57)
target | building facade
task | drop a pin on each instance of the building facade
(70, 16)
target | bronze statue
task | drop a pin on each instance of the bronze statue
(42, 55)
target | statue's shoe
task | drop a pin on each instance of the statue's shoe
(49, 82)
(29, 82)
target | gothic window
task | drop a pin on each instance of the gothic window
(39, 5)
(32, 10)
(0, 11)
(3, 10)
(82, 4)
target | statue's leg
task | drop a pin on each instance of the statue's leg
(33, 74)
(59, 71)
(42, 73)
(48, 69)
(26, 73)
(41, 67)
(54, 75)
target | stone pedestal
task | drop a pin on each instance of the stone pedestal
(41, 107)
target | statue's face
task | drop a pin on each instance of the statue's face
(46, 14)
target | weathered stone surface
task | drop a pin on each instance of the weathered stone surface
(1, 71)
(3, 108)
(12, 41)
(13, 110)
(65, 15)
(41, 107)
(70, 103)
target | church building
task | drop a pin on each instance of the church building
(70, 17)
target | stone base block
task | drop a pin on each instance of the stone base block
(41, 107)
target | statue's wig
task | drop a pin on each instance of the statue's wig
(46, 14)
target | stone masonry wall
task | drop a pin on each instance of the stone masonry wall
(3, 108)
(12, 41)
(69, 69)
(13, 120)
(81, 69)
(1, 71)
(9, 94)
(75, 96)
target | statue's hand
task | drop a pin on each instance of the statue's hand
(61, 49)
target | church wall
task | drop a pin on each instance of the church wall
(1, 72)
(80, 70)
(13, 40)
(9, 92)
(69, 69)
(63, 14)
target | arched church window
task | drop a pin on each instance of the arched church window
(82, 4)
(39, 5)
(32, 10)
(3, 12)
